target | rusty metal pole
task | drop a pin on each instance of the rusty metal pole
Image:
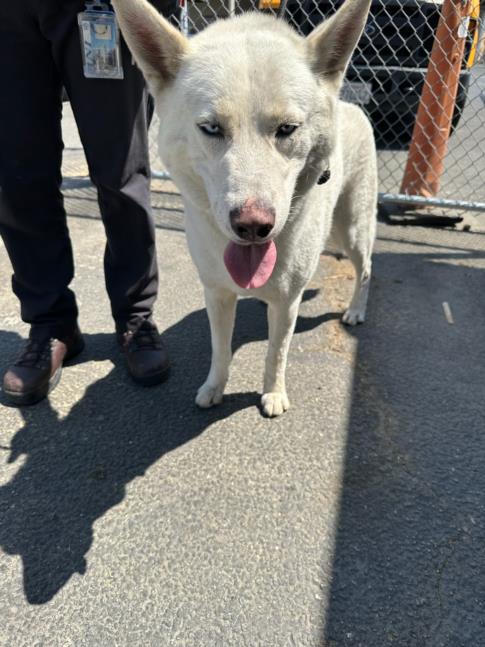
(431, 131)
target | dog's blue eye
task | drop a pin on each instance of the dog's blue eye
(285, 130)
(213, 130)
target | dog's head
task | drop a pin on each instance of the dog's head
(247, 109)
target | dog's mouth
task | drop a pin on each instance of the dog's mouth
(250, 266)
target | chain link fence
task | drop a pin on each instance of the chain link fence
(386, 77)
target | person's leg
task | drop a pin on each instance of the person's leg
(111, 116)
(32, 217)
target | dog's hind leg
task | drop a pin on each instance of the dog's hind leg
(281, 324)
(354, 229)
(355, 313)
(221, 309)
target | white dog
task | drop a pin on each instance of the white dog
(269, 162)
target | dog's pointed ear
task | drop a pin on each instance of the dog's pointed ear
(157, 46)
(332, 43)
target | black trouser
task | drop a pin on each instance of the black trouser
(40, 53)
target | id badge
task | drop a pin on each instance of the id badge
(100, 44)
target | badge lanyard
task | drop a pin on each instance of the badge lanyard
(100, 42)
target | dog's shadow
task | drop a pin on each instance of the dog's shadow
(77, 468)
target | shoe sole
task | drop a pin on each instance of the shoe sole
(33, 397)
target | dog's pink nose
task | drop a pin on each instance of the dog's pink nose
(253, 221)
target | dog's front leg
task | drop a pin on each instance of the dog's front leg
(221, 309)
(281, 324)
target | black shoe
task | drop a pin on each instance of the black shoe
(38, 369)
(145, 353)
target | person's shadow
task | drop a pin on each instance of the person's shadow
(77, 468)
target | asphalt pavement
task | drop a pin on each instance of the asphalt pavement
(357, 519)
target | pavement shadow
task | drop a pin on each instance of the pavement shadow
(77, 468)
(409, 562)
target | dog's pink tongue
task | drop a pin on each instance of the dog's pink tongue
(250, 266)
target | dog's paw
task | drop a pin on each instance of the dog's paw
(274, 404)
(352, 317)
(208, 395)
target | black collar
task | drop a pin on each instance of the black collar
(324, 177)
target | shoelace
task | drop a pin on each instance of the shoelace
(144, 336)
(37, 354)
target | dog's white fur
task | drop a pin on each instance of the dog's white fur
(250, 74)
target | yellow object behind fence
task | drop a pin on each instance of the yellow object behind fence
(474, 27)
(269, 4)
